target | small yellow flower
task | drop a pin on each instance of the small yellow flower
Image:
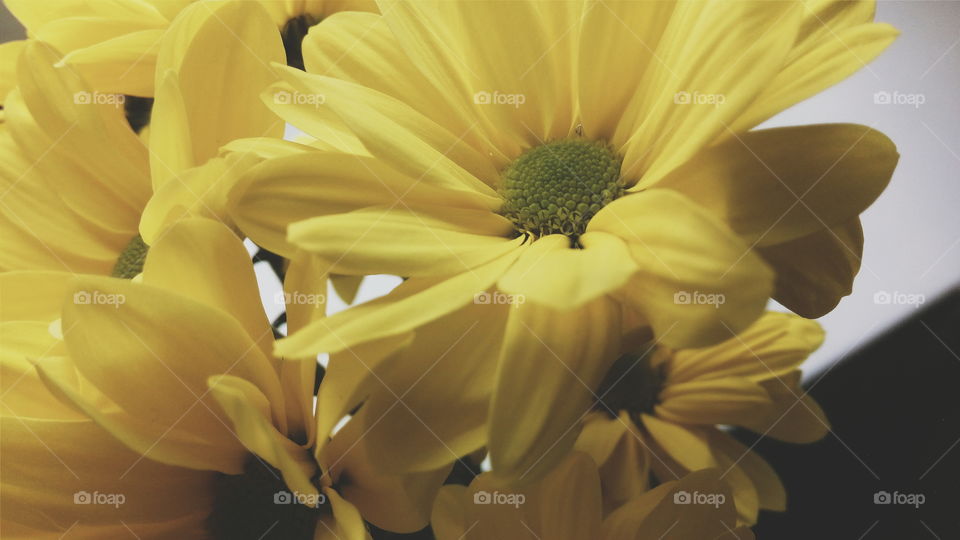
(659, 409)
(79, 191)
(592, 164)
(566, 505)
(116, 44)
(174, 419)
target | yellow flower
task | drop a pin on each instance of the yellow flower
(76, 180)
(590, 163)
(566, 505)
(181, 424)
(116, 44)
(671, 402)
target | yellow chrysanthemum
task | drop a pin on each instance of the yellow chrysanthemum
(76, 180)
(566, 505)
(591, 163)
(671, 402)
(179, 415)
(116, 43)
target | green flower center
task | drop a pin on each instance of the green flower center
(633, 384)
(130, 262)
(293, 33)
(258, 505)
(557, 187)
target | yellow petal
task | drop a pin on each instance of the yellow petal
(835, 42)
(397, 502)
(796, 417)
(716, 401)
(775, 345)
(570, 505)
(553, 274)
(272, 195)
(361, 48)
(412, 304)
(549, 367)
(250, 415)
(775, 185)
(399, 135)
(9, 53)
(221, 54)
(205, 261)
(162, 349)
(689, 446)
(87, 130)
(657, 513)
(345, 523)
(450, 361)
(411, 242)
(609, 29)
(770, 491)
(815, 271)
(124, 64)
(715, 57)
(449, 519)
(697, 282)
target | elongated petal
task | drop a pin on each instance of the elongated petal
(772, 186)
(715, 57)
(549, 367)
(412, 304)
(412, 242)
(124, 64)
(396, 133)
(697, 282)
(773, 346)
(272, 195)
(727, 401)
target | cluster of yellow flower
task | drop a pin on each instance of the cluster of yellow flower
(588, 226)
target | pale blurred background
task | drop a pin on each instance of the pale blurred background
(912, 251)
